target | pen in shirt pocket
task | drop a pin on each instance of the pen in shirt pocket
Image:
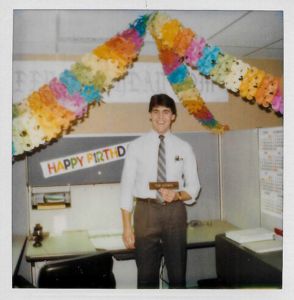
(178, 158)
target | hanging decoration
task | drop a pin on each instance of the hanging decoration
(54, 108)
(178, 45)
(50, 111)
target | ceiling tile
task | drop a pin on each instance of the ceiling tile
(95, 23)
(257, 29)
(268, 53)
(279, 45)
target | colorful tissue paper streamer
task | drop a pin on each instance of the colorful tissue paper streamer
(54, 108)
(50, 111)
(175, 44)
(180, 47)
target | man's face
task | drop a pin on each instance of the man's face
(161, 119)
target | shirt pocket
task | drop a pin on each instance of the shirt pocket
(177, 169)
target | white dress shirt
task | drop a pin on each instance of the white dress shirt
(140, 168)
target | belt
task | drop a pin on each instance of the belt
(151, 201)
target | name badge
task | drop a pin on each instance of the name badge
(166, 185)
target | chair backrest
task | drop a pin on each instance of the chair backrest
(94, 271)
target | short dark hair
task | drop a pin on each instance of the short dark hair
(162, 100)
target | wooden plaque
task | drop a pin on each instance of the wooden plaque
(166, 185)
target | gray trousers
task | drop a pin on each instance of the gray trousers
(160, 230)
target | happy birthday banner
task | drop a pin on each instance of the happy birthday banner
(51, 110)
(84, 160)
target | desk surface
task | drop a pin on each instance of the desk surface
(205, 232)
(68, 244)
(76, 243)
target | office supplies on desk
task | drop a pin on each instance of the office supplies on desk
(106, 240)
(250, 235)
(50, 197)
(278, 231)
(38, 235)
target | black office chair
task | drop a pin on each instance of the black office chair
(94, 271)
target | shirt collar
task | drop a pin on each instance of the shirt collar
(156, 134)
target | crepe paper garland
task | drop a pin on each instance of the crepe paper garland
(267, 90)
(235, 76)
(251, 82)
(170, 61)
(178, 75)
(25, 130)
(208, 60)
(74, 103)
(182, 41)
(51, 116)
(222, 69)
(103, 71)
(51, 110)
(195, 51)
(277, 102)
(180, 45)
(140, 26)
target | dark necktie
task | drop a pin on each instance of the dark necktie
(161, 167)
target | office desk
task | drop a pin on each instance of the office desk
(200, 236)
(68, 244)
(76, 243)
(238, 266)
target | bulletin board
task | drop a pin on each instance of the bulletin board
(67, 146)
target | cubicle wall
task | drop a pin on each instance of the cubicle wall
(95, 190)
(252, 177)
(240, 178)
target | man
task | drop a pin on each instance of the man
(160, 216)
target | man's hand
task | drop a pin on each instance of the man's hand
(168, 195)
(128, 234)
(129, 239)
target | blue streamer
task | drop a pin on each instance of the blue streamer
(208, 60)
(70, 81)
(140, 24)
(90, 94)
(178, 75)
